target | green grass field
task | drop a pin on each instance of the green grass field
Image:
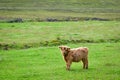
(29, 49)
(46, 63)
(46, 33)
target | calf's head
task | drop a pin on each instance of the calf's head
(65, 50)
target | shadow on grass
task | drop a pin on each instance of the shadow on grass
(82, 70)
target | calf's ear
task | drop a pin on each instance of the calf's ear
(60, 47)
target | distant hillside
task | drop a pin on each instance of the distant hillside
(59, 9)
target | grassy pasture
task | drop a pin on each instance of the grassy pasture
(46, 63)
(37, 10)
(43, 61)
(42, 15)
(34, 33)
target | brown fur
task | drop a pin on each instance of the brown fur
(75, 55)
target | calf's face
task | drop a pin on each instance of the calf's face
(64, 49)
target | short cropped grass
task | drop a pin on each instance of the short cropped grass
(46, 63)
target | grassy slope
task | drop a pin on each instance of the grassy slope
(35, 9)
(35, 34)
(45, 63)
(57, 4)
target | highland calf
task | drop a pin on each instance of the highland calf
(75, 55)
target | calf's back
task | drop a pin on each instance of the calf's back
(78, 54)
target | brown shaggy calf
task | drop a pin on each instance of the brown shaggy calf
(75, 55)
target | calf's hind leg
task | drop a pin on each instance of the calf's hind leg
(83, 60)
(86, 63)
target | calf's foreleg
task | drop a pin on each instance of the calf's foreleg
(68, 64)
